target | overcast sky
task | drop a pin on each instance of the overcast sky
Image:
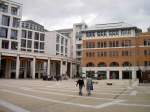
(56, 14)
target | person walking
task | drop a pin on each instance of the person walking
(80, 82)
(89, 86)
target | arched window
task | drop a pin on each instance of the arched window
(114, 64)
(102, 64)
(90, 64)
(125, 64)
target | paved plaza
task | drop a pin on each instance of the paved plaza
(62, 96)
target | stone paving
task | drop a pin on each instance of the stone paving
(62, 96)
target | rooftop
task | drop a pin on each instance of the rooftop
(118, 25)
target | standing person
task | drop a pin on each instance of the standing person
(80, 82)
(89, 86)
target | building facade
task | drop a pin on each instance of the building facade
(115, 51)
(27, 50)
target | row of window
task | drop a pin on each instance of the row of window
(124, 43)
(110, 53)
(6, 21)
(62, 39)
(29, 35)
(113, 64)
(108, 33)
(28, 44)
(4, 8)
(5, 45)
(32, 26)
(4, 33)
(61, 49)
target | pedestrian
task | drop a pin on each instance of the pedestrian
(89, 85)
(80, 82)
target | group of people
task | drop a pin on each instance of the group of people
(89, 85)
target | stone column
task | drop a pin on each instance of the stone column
(61, 67)
(71, 75)
(48, 66)
(133, 74)
(33, 68)
(17, 67)
(120, 74)
(108, 76)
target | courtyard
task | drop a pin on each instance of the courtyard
(62, 96)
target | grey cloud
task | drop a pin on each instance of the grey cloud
(63, 13)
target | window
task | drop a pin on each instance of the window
(147, 42)
(62, 40)
(16, 22)
(5, 20)
(113, 53)
(5, 44)
(14, 34)
(66, 42)
(42, 37)
(3, 32)
(3, 8)
(36, 45)
(126, 43)
(36, 36)
(146, 63)
(29, 44)
(30, 34)
(14, 45)
(125, 32)
(79, 53)
(78, 46)
(13, 65)
(114, 33)
(42, 45)
(147, 52)
(23, 43)
(24, 33)
(57, 38)
(14, 10)
(66, 50)
(101, 33)
(126, 53)
(57, 47)
(62, 49)
(90, 45)
(90, 34)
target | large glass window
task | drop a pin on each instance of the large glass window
(30, 34)
(3, 32)
(147, 42)
(42, 45)
(62, 40)
(16, 22)
(14, 34)
(3, 8)
(57, 47)
(57, 38)
(42, 37)
(5, 20)
(36, 45)
(23, 43)
(14, 10)
(14, 45)
(24, 33)
(29, 44)
(5, 44)
(36, 36)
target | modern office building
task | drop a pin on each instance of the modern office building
(27, 50)
(75, 36)
(115, 51)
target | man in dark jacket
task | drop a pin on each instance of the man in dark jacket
(80, 82)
